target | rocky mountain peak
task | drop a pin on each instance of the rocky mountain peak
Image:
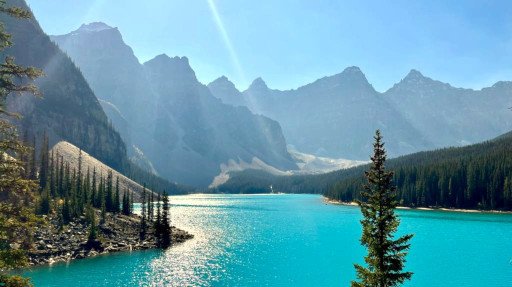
(94, 27)
(172, 67)
(222, 82)
(258, 84)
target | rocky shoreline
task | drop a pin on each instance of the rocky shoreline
(119, 233)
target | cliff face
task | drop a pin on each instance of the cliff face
(68, 110)
(164, 113)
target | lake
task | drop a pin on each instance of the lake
(296, 240)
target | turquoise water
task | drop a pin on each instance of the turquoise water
(296, 240)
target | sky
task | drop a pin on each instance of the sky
(290, 43)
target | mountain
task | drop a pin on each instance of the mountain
(68, 110)
(227, 92)
(182, 131)
(195, 128)
(334, 116)
(449, 116)
(117, 78)
(477, 176)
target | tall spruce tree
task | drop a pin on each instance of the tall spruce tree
(143, 223)
(117, 204)
(166, 223)
(43, 167)
(386, 255)
(158, 221)
(94, 195)
(126, 202)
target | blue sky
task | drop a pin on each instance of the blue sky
(293, 42)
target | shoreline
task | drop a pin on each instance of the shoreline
(118, 234)
(459, 210)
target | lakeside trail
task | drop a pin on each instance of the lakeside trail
(353, 203)
(119, 233)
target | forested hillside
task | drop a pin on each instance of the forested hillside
(474, 177)
(68, 109)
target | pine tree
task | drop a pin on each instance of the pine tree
(94, 196)
(60, 184)
(126, 202)
(91, 220)
(150, 207)
(66, 211)
(44, 206)
(43, 169)
(109, 199)
(33, 161)
(386, 255)
(67, 181)
(87, 188)
(117, 204)
(51, 170)
(17, 218)
(131, 202)
(166, 223)
(158, 221)
(143, 224)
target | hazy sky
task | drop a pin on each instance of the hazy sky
(292, 42)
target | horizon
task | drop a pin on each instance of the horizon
(448, 43)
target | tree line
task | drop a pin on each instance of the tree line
(473, 177)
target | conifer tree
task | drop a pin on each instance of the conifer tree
(33, 161)
(143, 224)
(126, 202)
(51, 170)
(60, 184)
(44, 206)
(117, 204)
(67, 180)
(386, 255)
(109, 199)
(158, 221)
(43, 168)
(17, 202)
(66, 211)
(94, 196)
(131, 202)
(87, 188)
(79, 176)
(150, 207)
(93, 228)
(103, 210)
(166, 223)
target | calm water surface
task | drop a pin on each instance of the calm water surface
(296, 240)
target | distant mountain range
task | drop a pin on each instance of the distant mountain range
(170, 120)
(336, 116)
(186, 132)
(477, 176)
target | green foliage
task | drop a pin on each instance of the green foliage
(386, 255)
(471, 177)
(165, 232)
(143, 223)
(93, 225)
(13, 280)
(17, 215)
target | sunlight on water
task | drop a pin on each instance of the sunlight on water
(295, 240)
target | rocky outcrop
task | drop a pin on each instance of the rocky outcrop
(119, 233)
